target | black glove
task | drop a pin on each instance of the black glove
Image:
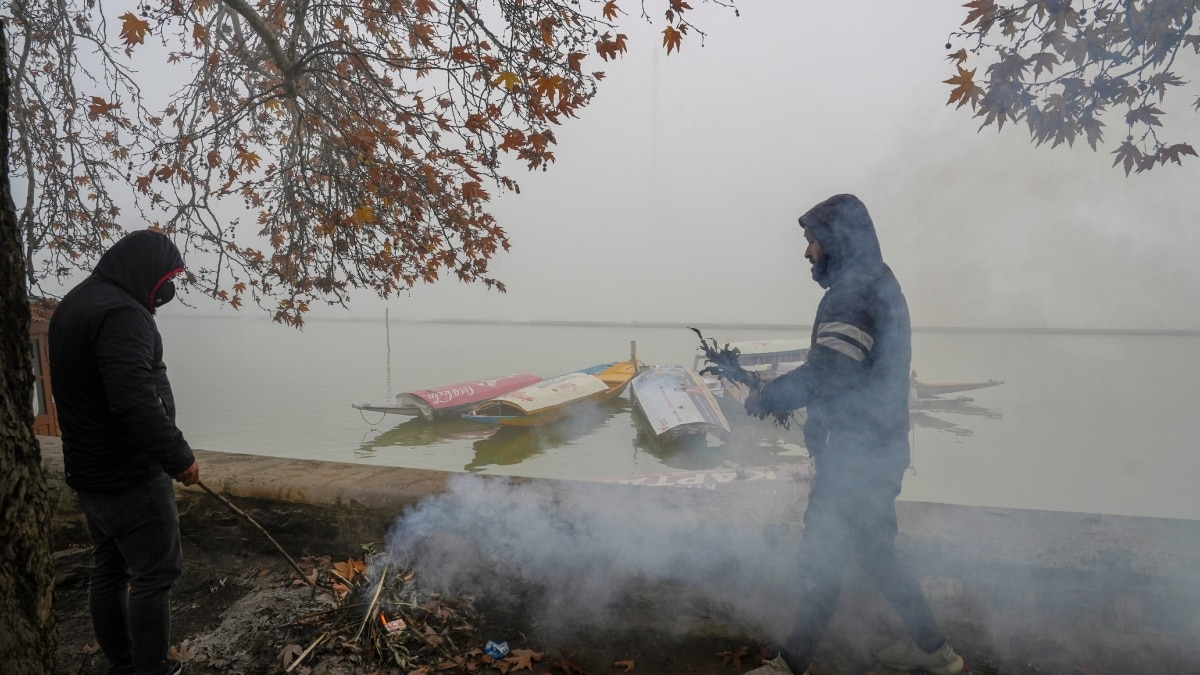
(755, 405)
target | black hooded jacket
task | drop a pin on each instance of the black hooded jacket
(110, 384)
(855, 380)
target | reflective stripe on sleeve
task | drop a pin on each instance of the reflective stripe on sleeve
(853, 332)
(838, 344)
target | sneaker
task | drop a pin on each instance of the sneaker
(173, 667)
(776, 666)
(906, 655)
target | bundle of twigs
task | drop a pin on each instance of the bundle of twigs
(416, 630)
(723, 364)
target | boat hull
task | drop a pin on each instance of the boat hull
(676, 403)
(555, 399)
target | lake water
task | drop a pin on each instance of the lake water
(1099, 423)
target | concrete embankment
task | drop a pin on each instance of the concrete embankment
(1035, 586)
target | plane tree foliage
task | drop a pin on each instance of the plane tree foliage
(299, 149)
(1068, 69)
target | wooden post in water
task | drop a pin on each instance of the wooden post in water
(387, 332)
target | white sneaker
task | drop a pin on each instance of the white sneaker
(906, 655)
(775, 666)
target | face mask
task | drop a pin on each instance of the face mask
(166, 293)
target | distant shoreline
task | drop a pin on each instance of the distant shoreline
(707, 326)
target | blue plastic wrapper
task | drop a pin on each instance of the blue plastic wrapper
(495, 650)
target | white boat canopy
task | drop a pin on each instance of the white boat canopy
(554, 392)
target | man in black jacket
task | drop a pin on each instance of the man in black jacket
(855, 385)
(121, 446)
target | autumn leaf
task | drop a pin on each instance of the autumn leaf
(1146, 114)
(610, 10)
(671, 38)
(627, 665)
(507, 78)
(290, 653)
(133, 29)
(1173, 153)
(965, 89)
(347, 570)
(247, 160)
(1128, 156)
(99, 107)
(982, 11)
(523, 659)
(184, 651)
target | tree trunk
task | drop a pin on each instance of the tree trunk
(27, 636)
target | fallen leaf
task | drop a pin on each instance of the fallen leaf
(627, 665)
(185, 651)
(523, 659)
(289, 654)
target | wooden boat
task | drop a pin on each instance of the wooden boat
(556, 398)
(451, 400)
(931, 389)
(677, 404)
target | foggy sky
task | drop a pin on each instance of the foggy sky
(676, 193)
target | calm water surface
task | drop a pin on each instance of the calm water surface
(1091, 423)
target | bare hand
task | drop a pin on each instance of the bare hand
(190, 475)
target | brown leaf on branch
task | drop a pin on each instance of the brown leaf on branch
(133, 29)
(671, 38)
(99, 107)
(965, 90)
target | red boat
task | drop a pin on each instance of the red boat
(451, 400)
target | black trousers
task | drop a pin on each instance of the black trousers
(851, 519)
(136, 559)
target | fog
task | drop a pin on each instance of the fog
(675, 195)
(578, 557)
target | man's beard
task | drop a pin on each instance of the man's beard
(820, 271)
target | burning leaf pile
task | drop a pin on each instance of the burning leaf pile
(384, 622)
(724, 365)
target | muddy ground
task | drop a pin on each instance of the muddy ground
(249, 613)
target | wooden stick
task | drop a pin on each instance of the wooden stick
(258, 527)
(371, 607)
(306, 652)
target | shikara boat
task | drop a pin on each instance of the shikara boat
(932, 389)
(452, 400)
(556, 398)
(678, 404)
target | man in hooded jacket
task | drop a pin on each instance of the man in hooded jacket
(855, 384)
(121, 446)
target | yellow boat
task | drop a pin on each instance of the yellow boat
(556, 398)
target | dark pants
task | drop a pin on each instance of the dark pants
(136, 559)
(851, 518)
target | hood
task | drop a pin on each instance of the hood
(843, 228)
(142, 264)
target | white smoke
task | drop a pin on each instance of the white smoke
(577, 557)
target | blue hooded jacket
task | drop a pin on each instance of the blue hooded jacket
(855, 380)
